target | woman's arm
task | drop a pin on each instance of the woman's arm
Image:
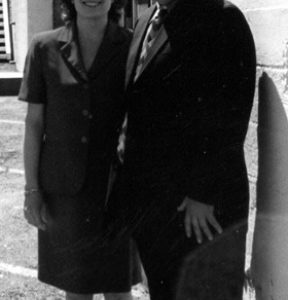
(32, 143)
(34, 208)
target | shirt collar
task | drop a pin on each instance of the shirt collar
(169, 6)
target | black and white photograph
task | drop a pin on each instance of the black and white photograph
(143, 149)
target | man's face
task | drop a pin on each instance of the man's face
(166, 2)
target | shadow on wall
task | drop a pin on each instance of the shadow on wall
(215, 271)
(269, 267)
(270, 247)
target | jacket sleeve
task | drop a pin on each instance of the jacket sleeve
(223, 105)
(33, 87)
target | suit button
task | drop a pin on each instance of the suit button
(85, 112)
(90, 116)
(199, 99)
(86, 86)
(84, 140)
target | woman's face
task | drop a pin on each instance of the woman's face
(92, 8)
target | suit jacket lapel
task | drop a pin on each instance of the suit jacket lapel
(159, 42)
(70, 52)
(136, 45)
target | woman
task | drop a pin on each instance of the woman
(73, 83)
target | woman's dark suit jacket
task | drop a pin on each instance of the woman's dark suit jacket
(55, 77)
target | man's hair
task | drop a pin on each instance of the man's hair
(69, 13)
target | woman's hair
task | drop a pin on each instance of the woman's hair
(69, 13)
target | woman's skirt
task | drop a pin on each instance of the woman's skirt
(77, 254)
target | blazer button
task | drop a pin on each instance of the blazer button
(85, 112)
(84, 140)
(199, 99)
(86, 86)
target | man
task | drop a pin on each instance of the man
(190, 85)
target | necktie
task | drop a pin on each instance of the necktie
(152, 32)
(157, 22)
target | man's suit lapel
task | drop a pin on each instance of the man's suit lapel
(160, 41)
(137, 41)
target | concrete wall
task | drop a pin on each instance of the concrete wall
(268, 20)
(269, 131)
(20, 31)
(30, 17)
(40, 16)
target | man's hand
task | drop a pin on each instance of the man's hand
(35, 210)
(199, 216)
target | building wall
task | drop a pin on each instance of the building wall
(40, 16)
(20, 31)
(267, 148)
(268, 20)
(30, 17)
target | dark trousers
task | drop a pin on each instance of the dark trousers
(176, 266)
(162, 245)
(157, 227)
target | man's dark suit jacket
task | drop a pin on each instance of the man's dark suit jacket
(189, 109)
(54, 75)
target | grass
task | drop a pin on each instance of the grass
(11, 141)
(18, 239)
(11, 144)
(12, 109)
